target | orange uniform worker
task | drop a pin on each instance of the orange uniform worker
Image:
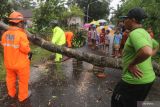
(16, 50)
(69, 37)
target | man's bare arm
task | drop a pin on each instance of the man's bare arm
(142, 55)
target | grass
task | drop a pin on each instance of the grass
(2, 69)
(38, 54)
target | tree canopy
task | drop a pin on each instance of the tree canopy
(6, 6)
(97, 9)
(54, 10)
(150, 6)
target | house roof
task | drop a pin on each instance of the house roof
(27, 13)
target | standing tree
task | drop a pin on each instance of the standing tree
(150, 6)
(21, 4)
(97, 9)
(54, 10)
(48, 11)
(7, 6)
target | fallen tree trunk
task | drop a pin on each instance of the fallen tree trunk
(79, 55)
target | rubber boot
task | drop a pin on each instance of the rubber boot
(25, 103)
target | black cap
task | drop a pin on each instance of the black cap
(137, 13)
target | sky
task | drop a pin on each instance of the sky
(114, 4)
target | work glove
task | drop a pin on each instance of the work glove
(30, 55)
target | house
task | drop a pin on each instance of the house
(78, 21)
(27, 13)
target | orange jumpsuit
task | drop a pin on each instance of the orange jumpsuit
(16, 49)
(69, 37)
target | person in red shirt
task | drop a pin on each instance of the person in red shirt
(89, 37)
(102, 39)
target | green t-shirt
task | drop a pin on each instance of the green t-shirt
(137, 39)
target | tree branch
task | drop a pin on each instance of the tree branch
(79, 55)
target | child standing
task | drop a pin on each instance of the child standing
(107, 41)
(102, 39)
(117, 41)
(89, 37)
(93, 36)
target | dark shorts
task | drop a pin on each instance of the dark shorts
(128, 95)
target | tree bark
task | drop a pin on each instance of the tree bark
(79, 55)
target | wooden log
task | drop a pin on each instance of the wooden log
(79, 55)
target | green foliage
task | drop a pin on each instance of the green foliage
(53, 10)
(150, 6)
(76, 11)
(2, 74)
(157, 58)
(2, 69)
(38, 54)
(5, 8)
(98, 9)
(21, 4)
(79, 39)
(73, 11)
(48, 11)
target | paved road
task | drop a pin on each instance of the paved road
(73, 84)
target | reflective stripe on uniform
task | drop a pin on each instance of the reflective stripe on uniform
(11, 45)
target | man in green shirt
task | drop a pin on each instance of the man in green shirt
(138, 75)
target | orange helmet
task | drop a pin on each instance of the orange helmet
(16, 17)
